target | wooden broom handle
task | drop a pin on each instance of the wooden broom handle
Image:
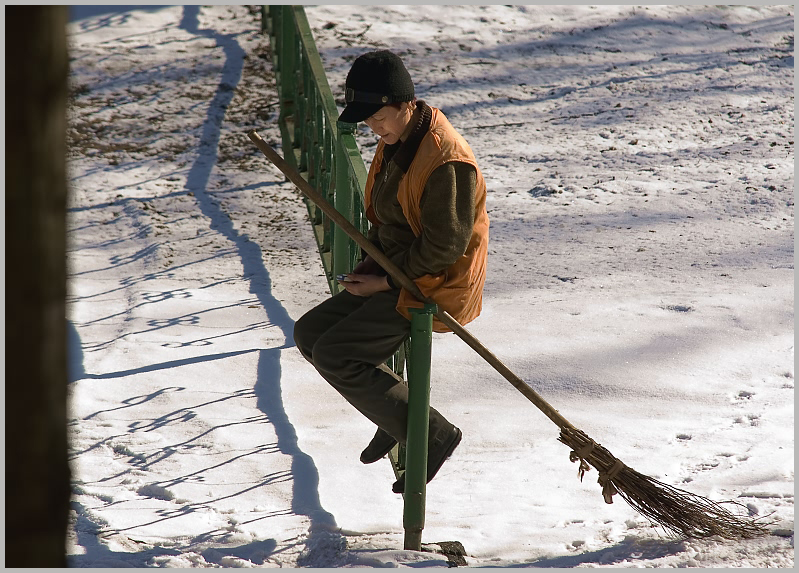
(400, 277)
(339, 219)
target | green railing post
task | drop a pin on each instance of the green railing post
(418, 421)
(288, 66)
(342, 201)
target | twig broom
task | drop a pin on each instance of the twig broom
(676, 510)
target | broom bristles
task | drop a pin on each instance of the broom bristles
(676, 510)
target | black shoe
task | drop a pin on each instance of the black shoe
(439, 450)
(380, 445)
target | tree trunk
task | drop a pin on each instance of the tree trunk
(37, 468)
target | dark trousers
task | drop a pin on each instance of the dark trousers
(348, 338)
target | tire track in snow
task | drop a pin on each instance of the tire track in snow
(305, 495)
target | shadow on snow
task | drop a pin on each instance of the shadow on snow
(267, 389)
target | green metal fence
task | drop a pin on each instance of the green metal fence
(314, 142)
(324, 151)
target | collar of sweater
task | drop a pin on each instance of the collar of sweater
(405, 151)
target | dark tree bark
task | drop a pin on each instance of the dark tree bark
(37, 467)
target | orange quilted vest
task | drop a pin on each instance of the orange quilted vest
(459, 289)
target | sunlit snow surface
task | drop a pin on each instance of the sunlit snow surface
(639, 163)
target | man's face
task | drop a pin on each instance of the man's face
(389, 122)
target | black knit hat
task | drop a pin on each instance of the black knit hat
(375, 79)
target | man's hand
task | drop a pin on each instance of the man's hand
(368, 266)
(365, 285)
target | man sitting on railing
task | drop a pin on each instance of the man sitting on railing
(425, 197)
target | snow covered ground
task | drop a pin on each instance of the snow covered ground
(640, 167)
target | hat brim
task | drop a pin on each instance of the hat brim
(359, 111)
